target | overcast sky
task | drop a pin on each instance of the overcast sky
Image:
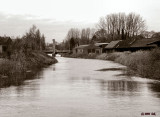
(55, 17)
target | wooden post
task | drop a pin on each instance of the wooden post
(54, 48)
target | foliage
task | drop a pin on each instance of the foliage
(81, 55)
(144, 63)
(118, 26)
(33, 39)
(72, 43)
(80, 37)
(26, 55)
(121, 26)
(156, 35)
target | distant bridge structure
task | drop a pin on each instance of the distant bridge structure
(54, 51)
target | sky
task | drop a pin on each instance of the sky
(55, 17)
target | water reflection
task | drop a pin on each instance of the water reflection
(18, 79)
(120, 85)
(155, 87)
(54, 68)
(30, 90)
(121, 88)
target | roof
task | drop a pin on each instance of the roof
(126, 43)
(113, 44)
(154, 42)
(91, 46)
(4, 40)
(129, 43)
(100, 44)
(145, 42)
(133, 43)
(81, 47)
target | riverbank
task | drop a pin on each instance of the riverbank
(144, 63)
(22, 66)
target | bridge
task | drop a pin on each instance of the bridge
(56, 51)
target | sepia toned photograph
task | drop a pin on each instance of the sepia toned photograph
(79, 58)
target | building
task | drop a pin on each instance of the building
(119, 45)
(5, 43)
(112, 46)
(124, 45)
(102, 46)
(156, 42)
(86, 49)
(133, 44)
(145, 44)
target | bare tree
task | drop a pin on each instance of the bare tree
(33, 39)
(102, 23)
(122, 26)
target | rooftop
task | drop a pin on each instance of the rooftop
(113, 44)
(91, 46)
(99, 44)
(144, 42)
(81, 46)
(126, 43)
(4, 40)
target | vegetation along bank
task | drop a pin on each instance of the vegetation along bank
(144, 63)
(23, 58)
(119, 37)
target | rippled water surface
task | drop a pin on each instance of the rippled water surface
(81, 88)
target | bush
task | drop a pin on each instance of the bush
(145, 63)
(14, 71)
(102, 56)
(82, 55)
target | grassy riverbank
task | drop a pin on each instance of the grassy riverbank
(144, 63)
(22, 66)
(23, 57)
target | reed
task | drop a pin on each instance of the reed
(14, 71)
(144, 63)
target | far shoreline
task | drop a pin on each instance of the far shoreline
(142, 63)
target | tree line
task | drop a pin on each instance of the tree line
(31, 40)
(76, 37)
(117, 26)
(121, 26)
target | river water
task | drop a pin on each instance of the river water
(79, 88)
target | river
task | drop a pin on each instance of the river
(80, 88)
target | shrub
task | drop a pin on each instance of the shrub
(14, 71)
(145, 63)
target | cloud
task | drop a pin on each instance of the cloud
(17, 25)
